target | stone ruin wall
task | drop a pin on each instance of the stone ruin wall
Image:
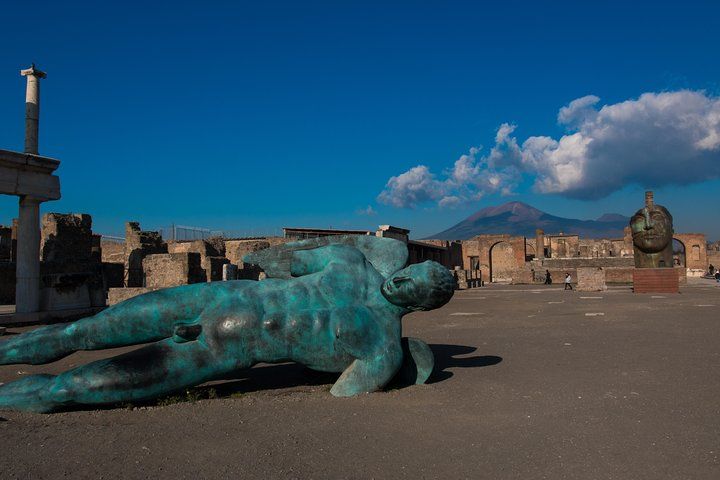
(696, 254)
(187, 262)
(513, 257)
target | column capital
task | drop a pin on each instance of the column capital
(32, 71)
(29, 199)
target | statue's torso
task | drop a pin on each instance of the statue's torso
(310, 319)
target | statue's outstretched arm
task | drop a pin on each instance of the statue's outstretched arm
(386, 255)
(306, 262)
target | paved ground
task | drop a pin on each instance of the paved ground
(531, 383)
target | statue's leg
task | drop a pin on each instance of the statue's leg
(148, 372)
(142, 319)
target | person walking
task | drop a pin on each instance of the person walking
(568, 282)
(548, 278)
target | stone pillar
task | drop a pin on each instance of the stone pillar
(32, 108)
(649, 199)
(539, 243)
(27, 288)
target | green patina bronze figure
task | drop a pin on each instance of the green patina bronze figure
(652, 232)
(334, 304)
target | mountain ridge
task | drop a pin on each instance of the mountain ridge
(520, 219)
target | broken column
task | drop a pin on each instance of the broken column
(539, 244)
(32, 108)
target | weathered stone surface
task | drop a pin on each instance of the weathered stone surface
(139, 244)
(212, 255)
(66, 237)
(117, 295)
(236, 249)
(591, 279)
(70, 272)
(113, 252)
(165, 270)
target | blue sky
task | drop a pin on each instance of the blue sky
(253, 116)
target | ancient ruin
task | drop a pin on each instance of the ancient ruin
(62, 270)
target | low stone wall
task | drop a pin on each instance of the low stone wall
(591, 279)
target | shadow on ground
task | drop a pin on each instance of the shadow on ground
(294, 377)
(449, 356)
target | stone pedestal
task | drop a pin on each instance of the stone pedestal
(655, 280)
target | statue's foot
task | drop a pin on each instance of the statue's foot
(27, 394)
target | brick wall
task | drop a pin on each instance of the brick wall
(655, 280)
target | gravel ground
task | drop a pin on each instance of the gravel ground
(530, 382)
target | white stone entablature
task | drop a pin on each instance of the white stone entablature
(25, 174)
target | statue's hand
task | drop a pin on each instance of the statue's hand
(368, 375)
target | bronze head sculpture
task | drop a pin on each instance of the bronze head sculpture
(652, 233)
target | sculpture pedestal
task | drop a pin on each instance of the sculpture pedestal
(655, 280)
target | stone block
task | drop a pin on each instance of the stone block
(172, 269)
(590, 279)
(235, 249)
(66, 237)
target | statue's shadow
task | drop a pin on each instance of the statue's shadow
(451, 356)
(294, 376)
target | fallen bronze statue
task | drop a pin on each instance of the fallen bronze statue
(334, 304)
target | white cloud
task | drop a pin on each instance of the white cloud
(669, 138)
(417, 185)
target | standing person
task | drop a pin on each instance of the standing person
(548, 278)
(568, 282)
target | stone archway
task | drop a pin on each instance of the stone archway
(502, 262)
(679, 253)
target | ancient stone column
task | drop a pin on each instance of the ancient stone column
(27, 287)
(539, 243)
(649, 199)
(32, 108)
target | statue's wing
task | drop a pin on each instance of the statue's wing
(387, 255)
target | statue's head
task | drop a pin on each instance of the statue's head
(652, 228)
(421, 286)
